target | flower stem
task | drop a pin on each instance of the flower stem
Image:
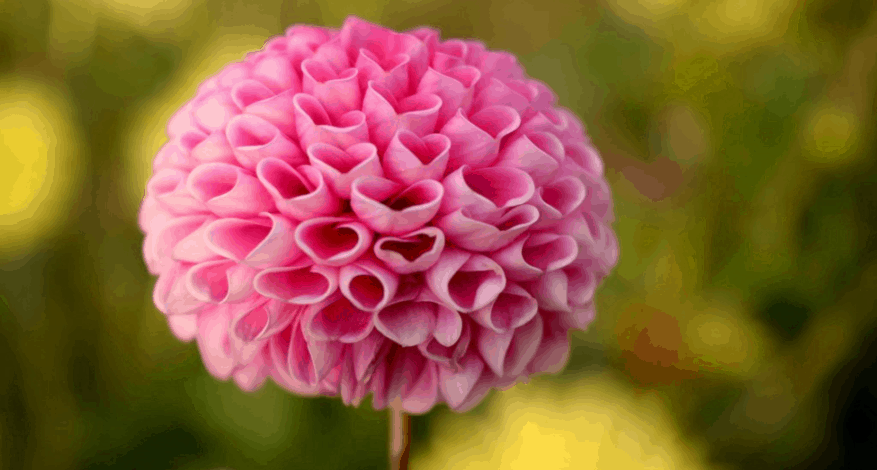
(400, 437)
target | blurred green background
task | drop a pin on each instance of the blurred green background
(737, 331)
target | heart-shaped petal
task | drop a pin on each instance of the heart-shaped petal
(338, 92)
(385, 115)
(314, 125)
(469, 232)
(539, 154)
(253, 139)
(512, 93)
(368, 285)
(485, 191)
(380, 205)
(341, 167)
(260, 242)
(511, 309)
(389, 72)
(475, 140)
(412, 252)
(449, 54)
(558, 199)
(534, 254)
(465, 281)
(298, 193)
(337, 319)
(333, 241)
(228, 191)
(302, 283)
(407, 323)
(455, 87)
(220, 282)
(410, 159)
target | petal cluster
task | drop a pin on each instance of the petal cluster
(362, 211)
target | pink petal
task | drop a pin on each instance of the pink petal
(341, 167)
(448, 326)
(314, 125)
(554, 349)
(390, 72)
(324, 355)
(376, 202)
(248, 92)
(485, 191)
(161, 243)
(410, 158)
(511, 309)
(456, 386)
(282, 348)
(276, 72)
(422, 394)
(438, 350)
(228, 191)
(171, 296)
(338, 92)
(449, 54)
(213, 112)
(220, 282)
(407, 323)
(184, 327)
(337, 319)
(586, 157)
(182, 122)
(268, 319)
(475, 140)
(539, 154)
(536, 253)
(303, 283)
(233, 73)
(368, 285)
(279, 110)
(551, 290)
(213, 149)
(465, 281)
(298, 193)
(493, 347)
(385, 115)
(252, 376)
(261, 242)
(213, 342)
(455, 87)
(412, 252)
(514, 94)
(468, 232)
(368, 353)
(558, 199)
(547, 120)
(598, 240)
(168, 186)
(176, 154)
(582, 282)
(254, 139)
(194, 248)
(579, 317)
(333, 241)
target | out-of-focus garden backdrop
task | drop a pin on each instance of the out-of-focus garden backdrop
(737, 331)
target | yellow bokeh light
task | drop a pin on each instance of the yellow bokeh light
(743, 20)
(146, 14)
(146, 134)
(38, 162)
(595, 423)
(831, 135)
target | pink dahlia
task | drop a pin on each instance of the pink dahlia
(362, 211)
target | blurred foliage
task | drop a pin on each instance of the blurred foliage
(737, 331)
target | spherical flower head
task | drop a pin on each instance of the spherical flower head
(361, 211)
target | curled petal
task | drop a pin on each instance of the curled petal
(558, 199)
(260, 242)
(214, 344)
(513, 93)
(367, 354)
(475, 140)
(368, 285)
(455, 87)
(484, 192)
(341, 167)
(160, 246)
(509, 353)
(177, 153)
(546, 120)
(407, 323)
(442, 351)
(535, 254)
(596, 237)
(465, 281)
(248, 92)
(314, 125)
(291, 360)
(302, 283)
(228, 191)
(278, 110)
(220, 282)
(411, 252)
(298, 193)
(168, 186)
(466, 230)
(389, 72)
(337, 319)
(511, 309)
(264, 321)
(376, 202)
(182, 122)
(554, 349)
(449, 54)
(456, 385)
(184, 327)
(551, 290)
(171, 296)
(214, 148)
(254, 139)
(421, 394)
(338, 92)
(214, 111)
(385, 115)
(586, 157)
(251, 376)
(333, 241)
(277, 73)
(410, 158)
(539, 154)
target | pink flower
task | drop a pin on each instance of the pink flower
(361, 211)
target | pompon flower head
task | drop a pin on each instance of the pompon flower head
(361, 211)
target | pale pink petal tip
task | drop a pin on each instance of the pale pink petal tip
(359, 211)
